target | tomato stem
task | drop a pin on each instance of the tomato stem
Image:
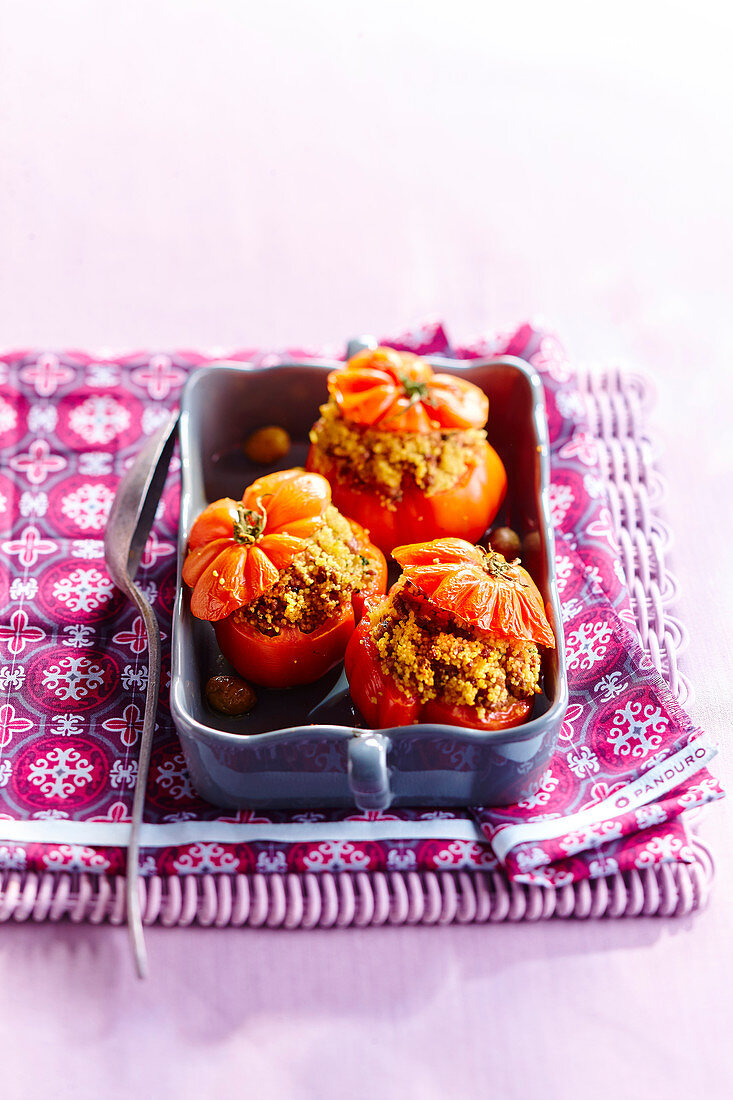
(496, 565)
(416, 391)
(249, 524)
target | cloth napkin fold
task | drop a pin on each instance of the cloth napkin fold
(73, 662)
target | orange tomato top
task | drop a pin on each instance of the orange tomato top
(237, 549)
(478, 586)
(395, 391)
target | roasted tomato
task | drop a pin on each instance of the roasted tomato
(290, 658)
(384, 705)
(466, 509)
(480, 591)
(231, 560)
(387, 391)
(237, 552)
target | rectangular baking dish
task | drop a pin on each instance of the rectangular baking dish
(307, 747)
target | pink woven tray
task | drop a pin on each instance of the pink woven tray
(617, 404)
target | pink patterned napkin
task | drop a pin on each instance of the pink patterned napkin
(73, 663)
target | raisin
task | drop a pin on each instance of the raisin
(230, 695)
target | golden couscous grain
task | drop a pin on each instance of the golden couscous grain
(430, 656)
(434, 461)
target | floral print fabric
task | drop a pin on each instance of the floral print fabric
(73, 672)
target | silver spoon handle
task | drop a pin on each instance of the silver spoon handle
(132, 892)
(130, 519)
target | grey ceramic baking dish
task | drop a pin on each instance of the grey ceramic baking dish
(307, 747)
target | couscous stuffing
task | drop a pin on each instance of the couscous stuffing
(317, 583)
(429, 655)
(382, 460)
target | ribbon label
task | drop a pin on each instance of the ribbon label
(641, 791)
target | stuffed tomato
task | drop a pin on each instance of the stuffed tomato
(458, 641)
(283, 577)
(405, 450)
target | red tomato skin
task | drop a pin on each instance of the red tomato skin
(382, 705)
(289, 659)
(463, 511)
(375, 695)
(454, 715)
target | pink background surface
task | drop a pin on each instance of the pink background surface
(204, 174)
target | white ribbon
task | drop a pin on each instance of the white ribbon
(640, 792)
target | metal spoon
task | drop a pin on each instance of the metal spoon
(130, 519)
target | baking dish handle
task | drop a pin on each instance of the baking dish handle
(359, 343)
(368, 771)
